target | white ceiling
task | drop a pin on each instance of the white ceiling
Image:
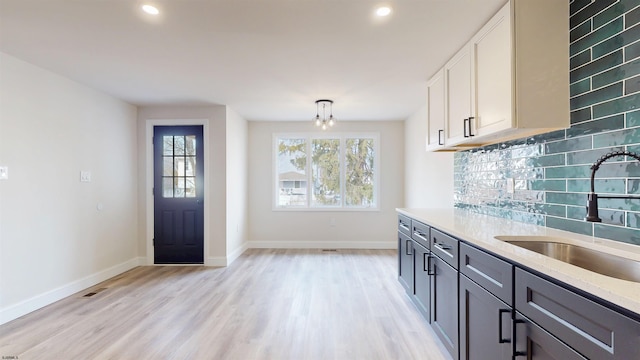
(266, 59)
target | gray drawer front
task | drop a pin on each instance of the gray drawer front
(592, 329)
(420, 233)
(445, 246)
(404, 224)
(493, 274)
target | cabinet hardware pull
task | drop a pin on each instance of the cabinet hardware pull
(402, 225)
(440, 134)
(442, 247)
(517, 353)
(429, 271)
(501, 340)
(464, 126)
(469, 121)
(408, 245)
(418, 233)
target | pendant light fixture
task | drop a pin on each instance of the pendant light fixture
(323, 107)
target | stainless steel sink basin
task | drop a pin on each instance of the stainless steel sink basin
(596, 261)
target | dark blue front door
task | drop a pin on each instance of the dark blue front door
(178, 189)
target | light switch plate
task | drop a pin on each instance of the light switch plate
(85, 176)
(4, 172)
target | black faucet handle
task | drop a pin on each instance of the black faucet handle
(592, 208)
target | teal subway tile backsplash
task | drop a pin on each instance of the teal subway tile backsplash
(623, 104)
(597, 66)
(551, 172)
(606, 93)
(632, 51)
(620, 137)
(580, 14)
(623, 71)
(624, 234)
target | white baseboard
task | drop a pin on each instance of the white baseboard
(227, 260)
(237, 252)
(216, 261)
(36, 302)
(377, 245)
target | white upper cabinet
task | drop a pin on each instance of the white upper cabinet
(511, 80)
(435, 112)
(457, 74)
(492, 80)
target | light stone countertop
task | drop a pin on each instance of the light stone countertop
(480, 230)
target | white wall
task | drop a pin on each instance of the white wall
(54, 239)
(313, 229)
(237, 185)
(428, 175)
(214, 118)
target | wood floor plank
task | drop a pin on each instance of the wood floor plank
(268, 304)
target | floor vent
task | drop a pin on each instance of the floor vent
(330, 250)
(94, 292)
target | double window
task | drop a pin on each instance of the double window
(333, 171)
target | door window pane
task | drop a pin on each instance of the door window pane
(167, 167)
(178, 145)
(179, 166)
(167, 187)
(190, 187)
(178, 187)
(167, 145)
(190, 166)
(190, 144)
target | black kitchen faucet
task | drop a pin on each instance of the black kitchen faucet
(592, 198)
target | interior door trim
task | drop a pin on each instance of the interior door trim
(148, 192)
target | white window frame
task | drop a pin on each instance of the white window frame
(342, 136)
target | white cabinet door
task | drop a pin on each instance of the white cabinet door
(457, 74)
(435, 111)
(493, 80)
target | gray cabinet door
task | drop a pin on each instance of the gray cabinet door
(532, 342)
(485, 324)
(405, 262)
(444, 304)
(421, 291)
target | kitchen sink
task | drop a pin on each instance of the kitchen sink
(596, 261)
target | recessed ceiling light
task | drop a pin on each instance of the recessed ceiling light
(383, 11)
(149, 9)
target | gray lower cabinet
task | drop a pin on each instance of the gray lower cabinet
(444, 304)
(485, 323)
(593, 330)
(485, 305)
(422, 283)
(405, 262)
(533, 342)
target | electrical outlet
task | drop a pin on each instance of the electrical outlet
(85, 176)
(510, 186)
(4, 172)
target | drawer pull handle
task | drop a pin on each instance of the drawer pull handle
(517, 353)
(464, 127)
(440, 137)
(429, 267)
(408, 246)
(501, 340)
(442, 246)
(402, 225)
(418, 233)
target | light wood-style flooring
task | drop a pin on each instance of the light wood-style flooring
(268, 304)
